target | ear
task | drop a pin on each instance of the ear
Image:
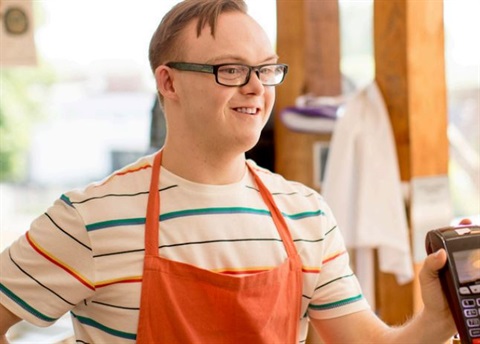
(165, 82)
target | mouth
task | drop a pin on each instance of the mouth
(247, 110)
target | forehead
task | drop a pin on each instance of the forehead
(237, 37)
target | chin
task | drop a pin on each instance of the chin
(250, 144)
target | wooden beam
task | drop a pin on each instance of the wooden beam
(410, 72)
(308, 41)
(322, 54)
(427, 89)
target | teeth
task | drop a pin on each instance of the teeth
(247, 110)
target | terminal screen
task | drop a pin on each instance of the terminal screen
(468, 265)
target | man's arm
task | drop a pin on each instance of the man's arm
(433, 325)
(7, 320)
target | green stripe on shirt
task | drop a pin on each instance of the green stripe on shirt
(215, 211)
(336, 304)
(197, 212)
(101, 327)
(25, 305)
(115, 223)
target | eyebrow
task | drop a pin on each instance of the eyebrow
(235, 58)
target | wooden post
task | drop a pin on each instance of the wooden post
(410, 71)
(308, 41)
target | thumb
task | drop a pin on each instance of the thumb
(435, 262)
(432, 294)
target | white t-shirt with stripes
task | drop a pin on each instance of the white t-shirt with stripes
(85, 254)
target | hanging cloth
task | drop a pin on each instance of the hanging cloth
(363, 188)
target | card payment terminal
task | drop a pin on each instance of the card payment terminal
(460, 277)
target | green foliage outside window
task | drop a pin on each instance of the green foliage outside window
(22, 103)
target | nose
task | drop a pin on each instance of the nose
(254, 85)
(257, 71)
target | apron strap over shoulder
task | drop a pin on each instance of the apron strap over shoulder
(277, 216)
(153, 209)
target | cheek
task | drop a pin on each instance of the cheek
(269, 98)
(195, 98)
(208, 105)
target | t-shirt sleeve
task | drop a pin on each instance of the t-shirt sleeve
(50, 268)
(337, 291)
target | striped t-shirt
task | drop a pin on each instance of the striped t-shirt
(85, 253)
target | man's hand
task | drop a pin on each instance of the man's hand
(435, 302)
(7, 319)
(436, 305)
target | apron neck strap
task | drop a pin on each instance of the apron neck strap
(277, 216)
(153, 209)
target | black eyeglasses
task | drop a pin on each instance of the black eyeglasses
(236, 75)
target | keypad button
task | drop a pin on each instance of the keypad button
(475, 289)
(464, 291)
(468, 303)
(475, 333)
(473, 322)
(470, 313)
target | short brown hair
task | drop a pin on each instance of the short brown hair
(164, 45)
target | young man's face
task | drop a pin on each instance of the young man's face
(215, 117)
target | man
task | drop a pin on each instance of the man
(194, 244)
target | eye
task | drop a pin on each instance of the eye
(232, 71)
(273, 70)
(268, 70)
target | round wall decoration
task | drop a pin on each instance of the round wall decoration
(16, 21)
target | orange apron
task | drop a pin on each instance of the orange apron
(181, 303)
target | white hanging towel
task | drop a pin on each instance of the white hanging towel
(362, 186)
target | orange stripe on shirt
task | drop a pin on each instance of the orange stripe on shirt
(310, 269)
(243, 271)
(124, 172)
(334, 256)
(139, 168)
(130, 279)
(246, 271)
(314, 269)
(59, 263)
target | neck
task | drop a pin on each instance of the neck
(210, 168)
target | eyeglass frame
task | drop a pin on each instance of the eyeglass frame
(213, 69)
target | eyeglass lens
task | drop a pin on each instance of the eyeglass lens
(233, 74)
